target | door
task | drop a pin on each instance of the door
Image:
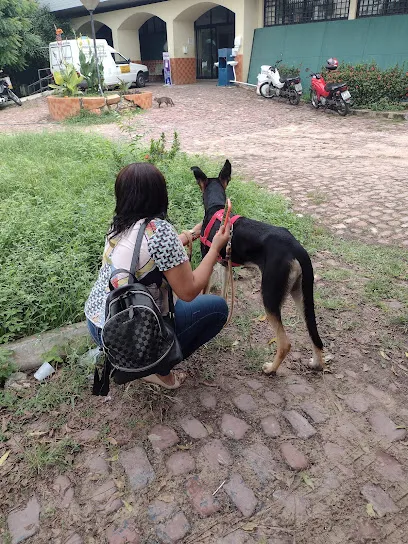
(207, 52)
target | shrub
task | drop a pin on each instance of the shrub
(371, 86)
(287, 70)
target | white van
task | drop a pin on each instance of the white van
(115, 66)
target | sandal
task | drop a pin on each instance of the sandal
(179, 378)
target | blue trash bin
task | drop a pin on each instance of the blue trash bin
(225, 72)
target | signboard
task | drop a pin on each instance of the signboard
(166, 68)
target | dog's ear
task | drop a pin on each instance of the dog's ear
(225, 174)
(201, 178)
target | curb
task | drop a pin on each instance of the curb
(28, 353)
(398, 115)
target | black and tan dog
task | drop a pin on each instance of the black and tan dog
(285, 265)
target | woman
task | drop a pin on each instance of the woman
(141, 193)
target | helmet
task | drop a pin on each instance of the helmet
(332, 63)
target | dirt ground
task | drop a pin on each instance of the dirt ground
(306, 458)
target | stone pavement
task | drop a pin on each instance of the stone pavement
(305, 459)
(349, 173)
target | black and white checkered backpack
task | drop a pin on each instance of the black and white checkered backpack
(136, 338)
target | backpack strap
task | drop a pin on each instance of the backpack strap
(136, 253)
(135, 258)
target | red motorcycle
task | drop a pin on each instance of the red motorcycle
(334, 96)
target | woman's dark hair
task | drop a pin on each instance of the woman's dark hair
(140, 191)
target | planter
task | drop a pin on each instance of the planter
(112, 99)
(93, 102)
(144, 100)
(61, 108)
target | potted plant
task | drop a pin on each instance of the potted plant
(65, 100)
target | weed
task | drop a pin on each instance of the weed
(208, 372)
(104, 431)
(133, 422)
(317, 197)
(254, 358)
(7, 366)
(41, 456)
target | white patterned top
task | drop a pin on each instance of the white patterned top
(161, 250)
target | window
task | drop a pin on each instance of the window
(154, 25)
(289, 12)
(371, 8)
(119, 59)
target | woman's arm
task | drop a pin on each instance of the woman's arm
(195, 233)
(188, 283)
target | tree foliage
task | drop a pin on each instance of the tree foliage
(25, 31)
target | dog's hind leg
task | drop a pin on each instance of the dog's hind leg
(276, 283)
(317, 362)
(282, 343)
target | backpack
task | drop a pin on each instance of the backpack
(136, 338)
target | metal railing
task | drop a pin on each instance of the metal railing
(43, 81)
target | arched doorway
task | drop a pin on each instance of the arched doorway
(214, 30)
(153, 41)
(102, 32)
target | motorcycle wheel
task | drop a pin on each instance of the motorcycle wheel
(266, 90)
(294, 97)
(342, 107)
(14, 98)
(314, 100)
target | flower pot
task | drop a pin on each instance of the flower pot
(61, 108)
(144, 100)
(93, 102)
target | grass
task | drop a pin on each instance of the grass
(55, 454)
(86, 118)
(57, 203)
(64, 388)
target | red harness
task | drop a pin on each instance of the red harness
(218, 216)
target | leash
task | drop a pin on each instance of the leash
(229, 278)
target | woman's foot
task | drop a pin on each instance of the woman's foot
(174, 380)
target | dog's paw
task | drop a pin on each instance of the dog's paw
(316, 364)
(268, 369)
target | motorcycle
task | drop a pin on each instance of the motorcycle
(6, 94)
(335, 96)
(285, 87)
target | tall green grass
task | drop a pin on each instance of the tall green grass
(56, 206)
(57, 203)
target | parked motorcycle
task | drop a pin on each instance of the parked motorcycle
(335, 96)
(6, 94)
(285, 87)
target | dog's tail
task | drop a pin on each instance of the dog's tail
(308, 299)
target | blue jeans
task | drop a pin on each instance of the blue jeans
(196, 322)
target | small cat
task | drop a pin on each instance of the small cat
(164, 100)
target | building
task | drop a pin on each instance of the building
(302, 32)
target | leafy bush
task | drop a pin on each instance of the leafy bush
(286, 70)
(371, 86)
(67, 81)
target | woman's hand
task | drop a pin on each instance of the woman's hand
(221, 237)
(188, 283)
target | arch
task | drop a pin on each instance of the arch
(102, 31)
(192, 13)
(135, 21)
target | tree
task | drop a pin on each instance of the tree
(18, 40)
(25, 32)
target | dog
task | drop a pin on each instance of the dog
(285, 265)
